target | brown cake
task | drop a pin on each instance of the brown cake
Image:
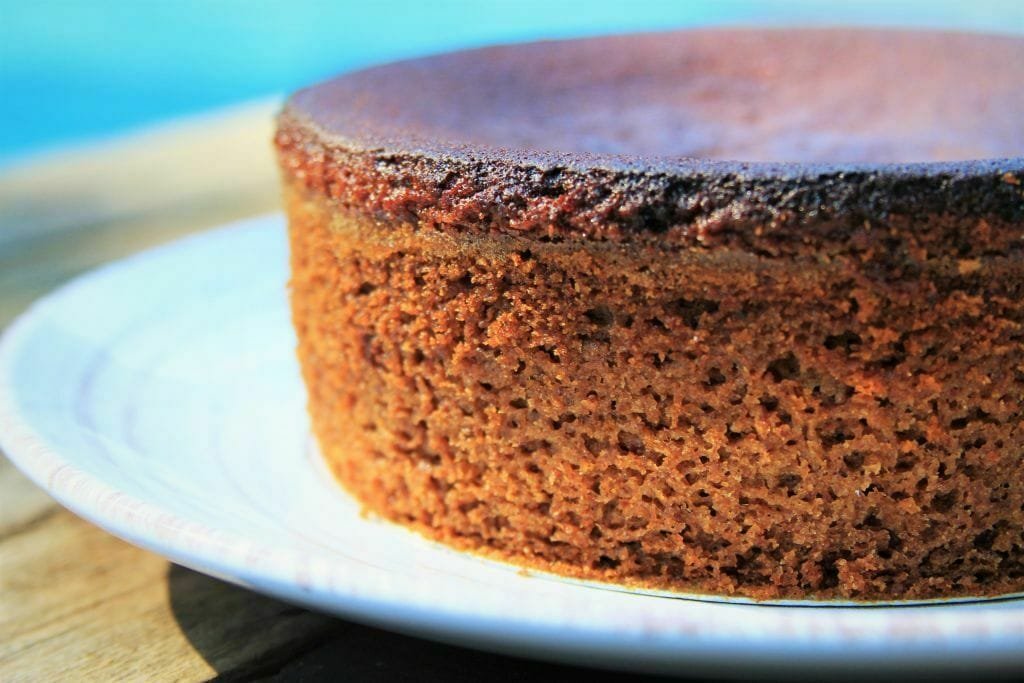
(732, 312)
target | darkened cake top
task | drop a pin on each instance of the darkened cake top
(675, 130)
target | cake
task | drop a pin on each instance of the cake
(722, 312)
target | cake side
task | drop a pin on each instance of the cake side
(704, 421)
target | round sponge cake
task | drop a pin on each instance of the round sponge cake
(729, 312)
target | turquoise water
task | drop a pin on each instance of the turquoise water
(77, 70)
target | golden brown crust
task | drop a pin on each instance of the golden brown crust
(708, 422)
(771, 210)
(613, 138)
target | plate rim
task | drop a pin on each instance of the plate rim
(988, 637)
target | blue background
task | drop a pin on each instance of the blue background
(76, 70)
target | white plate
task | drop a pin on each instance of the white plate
(159, 398)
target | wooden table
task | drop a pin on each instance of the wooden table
(77, 603)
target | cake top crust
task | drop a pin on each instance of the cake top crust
(811, 96)
(686, 131)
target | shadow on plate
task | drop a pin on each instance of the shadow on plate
(246, 636)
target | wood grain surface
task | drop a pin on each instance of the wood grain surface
(79, 604)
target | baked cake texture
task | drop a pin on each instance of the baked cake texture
(729, 312)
